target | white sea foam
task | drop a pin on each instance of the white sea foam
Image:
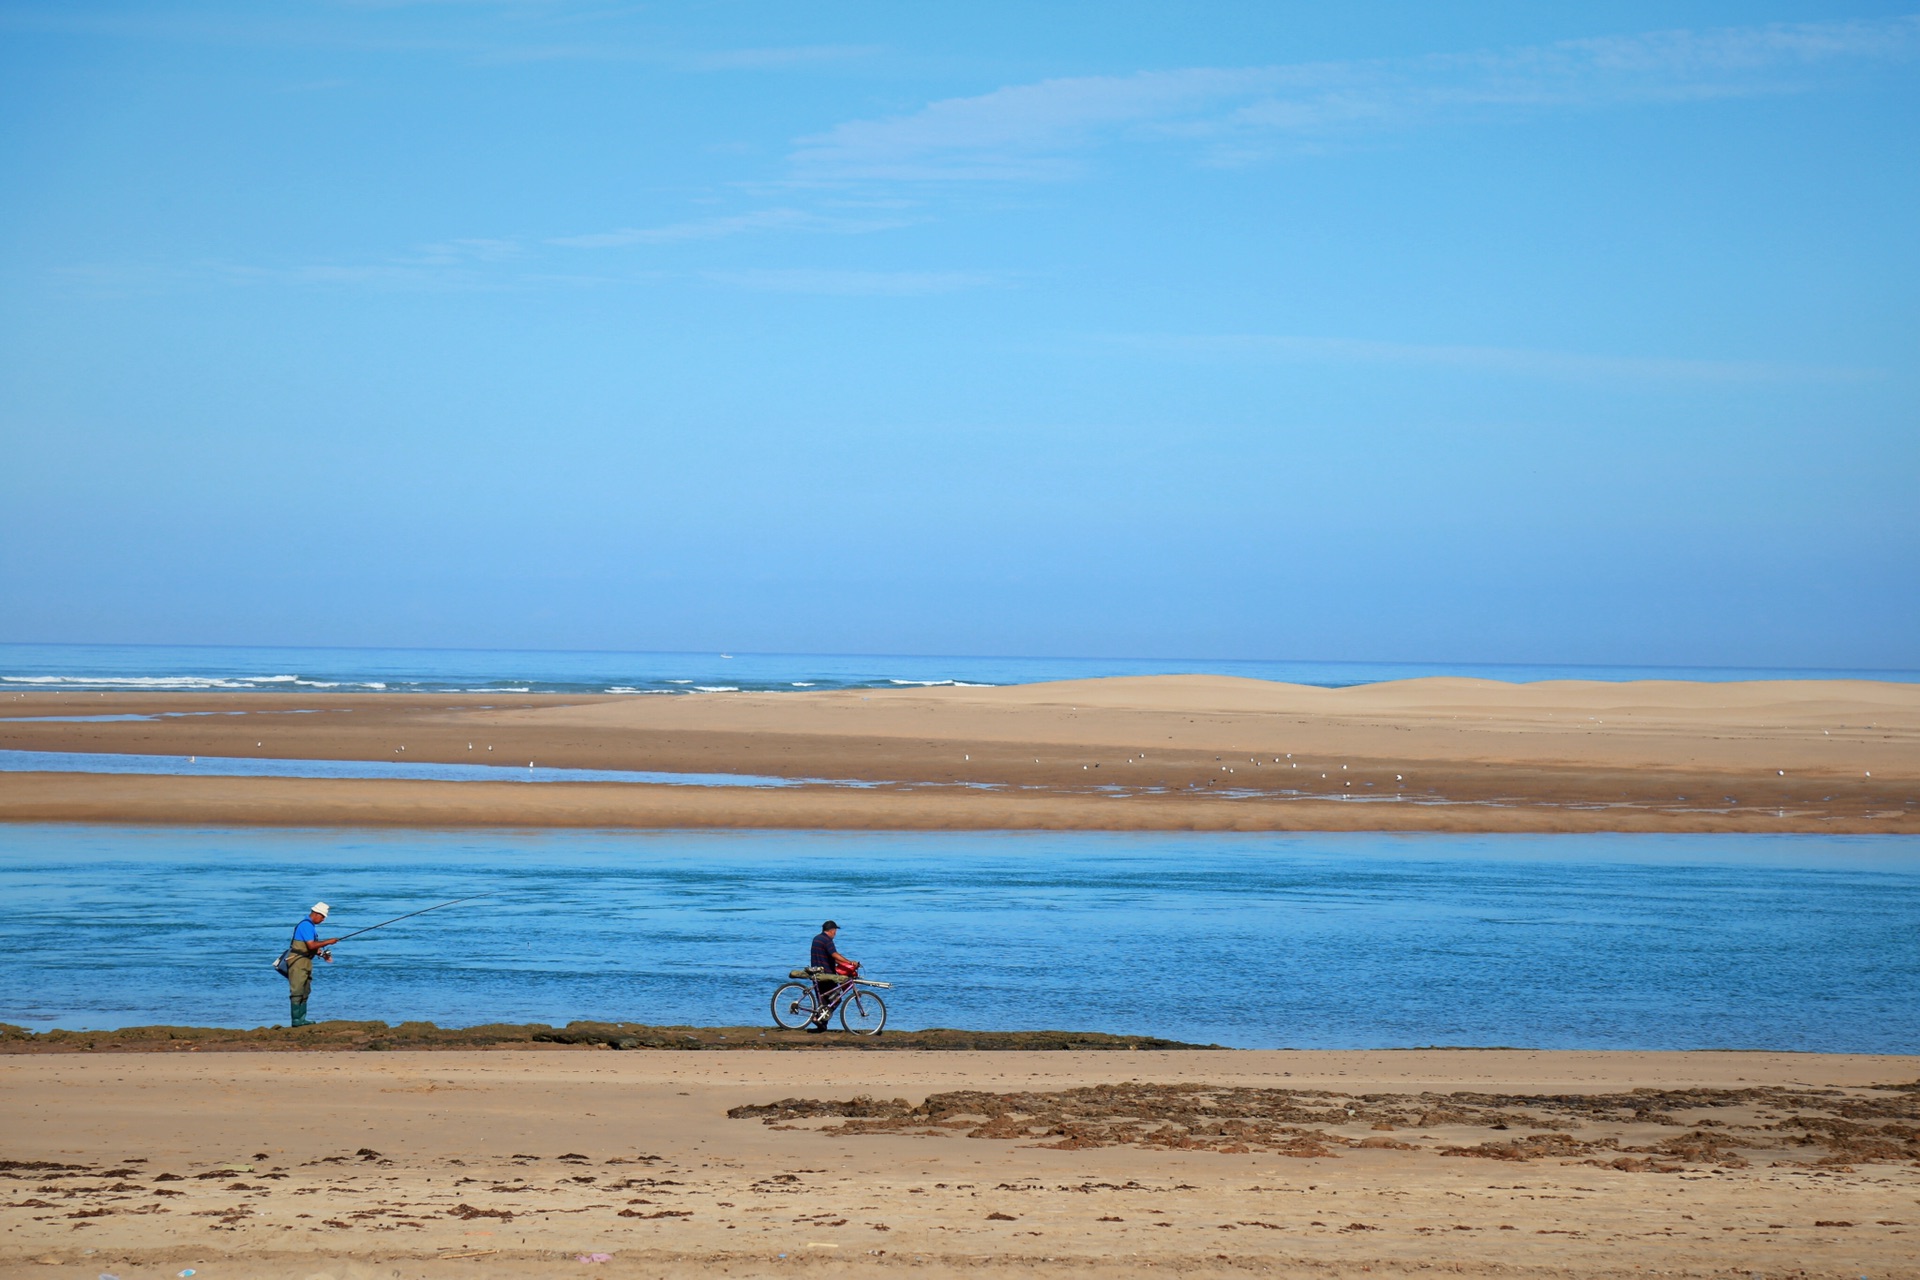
(717, 688)
(179, 682)
(803, 684)
(679, 682)
(923, 683)
(136, 682)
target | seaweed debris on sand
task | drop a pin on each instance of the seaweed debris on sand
(1631, 1132)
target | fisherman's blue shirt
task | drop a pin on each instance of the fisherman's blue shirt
(305, 932)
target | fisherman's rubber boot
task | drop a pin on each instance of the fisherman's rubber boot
(300, 1014)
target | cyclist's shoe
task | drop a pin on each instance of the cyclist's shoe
(816, 1027)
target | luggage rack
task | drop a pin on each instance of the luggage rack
(820, 975)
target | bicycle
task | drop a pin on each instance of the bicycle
(862, 1011)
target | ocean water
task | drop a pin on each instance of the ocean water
(1312, 940)
(158, 667)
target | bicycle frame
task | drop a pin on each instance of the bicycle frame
(837, 992)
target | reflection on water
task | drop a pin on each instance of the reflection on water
(1788, 942)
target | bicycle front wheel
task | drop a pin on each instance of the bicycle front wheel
(794, 1006)
(863, 1012)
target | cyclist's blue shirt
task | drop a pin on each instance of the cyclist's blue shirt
(823, 949)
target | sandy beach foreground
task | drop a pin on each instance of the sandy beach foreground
(517, 1163)
(1151, 753)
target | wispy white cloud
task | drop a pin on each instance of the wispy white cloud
(1040, 130)
(771, 59)
(465, 249)
(1023, 131)
(1520, 361)
(396, 277)
(461, 271)
(463, 265)
(799, 220)
(481, 32)
(775, 58)
(849, 283)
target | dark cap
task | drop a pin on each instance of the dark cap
(828, 925)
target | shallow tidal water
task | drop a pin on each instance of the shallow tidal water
(12, 761)
(1347, 940)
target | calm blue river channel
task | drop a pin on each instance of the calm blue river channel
(1334, 940)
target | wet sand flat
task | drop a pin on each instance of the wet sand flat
(1151, 753)
(1509, 1163)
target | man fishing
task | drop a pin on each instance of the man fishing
(296, 962)
(306, 944)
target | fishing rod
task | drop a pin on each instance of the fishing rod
(410, 915)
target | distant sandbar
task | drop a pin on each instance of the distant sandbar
(1128, 753)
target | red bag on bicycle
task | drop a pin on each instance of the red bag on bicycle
(845, 969)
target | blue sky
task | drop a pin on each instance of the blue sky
(1492, 332)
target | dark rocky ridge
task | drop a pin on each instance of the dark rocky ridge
(343, 1036)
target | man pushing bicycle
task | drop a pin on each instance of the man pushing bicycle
(830, 986)
(826, 958)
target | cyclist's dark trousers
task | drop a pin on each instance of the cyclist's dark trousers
(823, 992)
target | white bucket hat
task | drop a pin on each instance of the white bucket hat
(321, 908)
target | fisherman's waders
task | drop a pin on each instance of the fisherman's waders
(300, 985)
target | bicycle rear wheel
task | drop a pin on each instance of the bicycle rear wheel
(863, 1012)
(794, 1006)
